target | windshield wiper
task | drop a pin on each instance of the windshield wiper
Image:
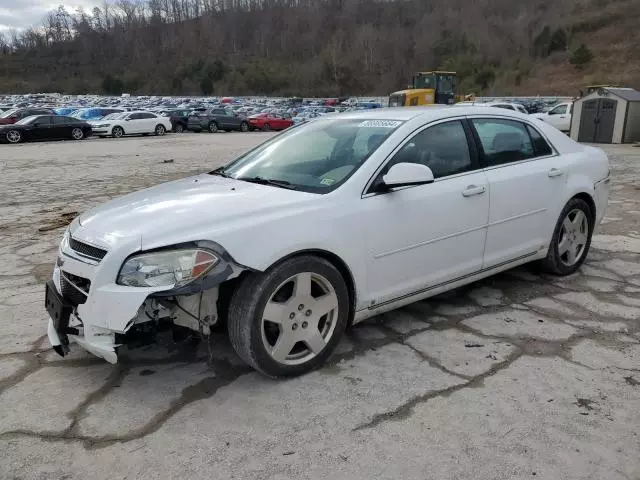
(220, 172)
(269, 181)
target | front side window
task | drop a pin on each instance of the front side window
(503, 141)
(443, 148)
(61, 120)
(316, 157)
(559, 110)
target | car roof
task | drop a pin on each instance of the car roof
(425, 113)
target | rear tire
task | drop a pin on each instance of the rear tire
(571, 239)
(290, 291)
(14, 136)
(77, 134)
(179, 128)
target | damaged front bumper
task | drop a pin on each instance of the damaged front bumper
(87, 307)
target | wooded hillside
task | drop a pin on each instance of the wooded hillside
(325, 47)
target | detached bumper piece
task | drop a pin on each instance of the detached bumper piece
(60, 312)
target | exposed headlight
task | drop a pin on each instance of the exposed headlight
(172, 268)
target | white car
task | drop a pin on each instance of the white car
(131, 123)
(559, 116)
(333, 221)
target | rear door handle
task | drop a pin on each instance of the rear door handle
(473, 190)
(555, 172)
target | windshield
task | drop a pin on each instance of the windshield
(424, 81)
(26, 120)
(9, 113)
(315, 157)
(115, 116)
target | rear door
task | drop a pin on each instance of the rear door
(148, 122)
(44, 128)
(221, 118)
(525, 188)
(134, 124)
(62, 127)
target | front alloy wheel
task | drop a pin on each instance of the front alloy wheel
(117, 132)
(160, 130)
(213, 127)
(288, 320)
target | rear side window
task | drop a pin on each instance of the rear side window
(540, 145)
(503, 141)
(146, 115)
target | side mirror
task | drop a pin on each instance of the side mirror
(407, 174)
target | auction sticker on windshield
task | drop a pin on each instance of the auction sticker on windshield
(380, 124)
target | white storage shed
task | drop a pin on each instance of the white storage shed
(608, 115)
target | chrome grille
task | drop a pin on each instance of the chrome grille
(74, 288)
(87, 250)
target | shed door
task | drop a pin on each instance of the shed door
(606, 120)
(587, 132)
(597, 120)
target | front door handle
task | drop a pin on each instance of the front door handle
(473, 190)
(555, 172)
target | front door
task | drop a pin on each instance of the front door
(560, 117)
(420, 237)
(526, 188)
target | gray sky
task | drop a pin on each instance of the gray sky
(26, 13)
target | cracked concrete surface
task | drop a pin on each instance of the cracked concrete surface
(519, 375)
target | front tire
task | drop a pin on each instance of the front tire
(288, 320)
(571, 239)
(179, 128)
(117, 132)
(244, 127)
(267, 127)
(160, 130)
(213, 127)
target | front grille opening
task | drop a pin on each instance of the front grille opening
(73, 287)
(86, 249)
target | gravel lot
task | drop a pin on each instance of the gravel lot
(517, 376)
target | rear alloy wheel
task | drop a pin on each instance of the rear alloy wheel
(77, 134)
(213, 127)
(266, 127)
(160, 130)
(117, 132)
(14, 136)
(244, 127)
(571, 239)
(288, 320)
(179, 128)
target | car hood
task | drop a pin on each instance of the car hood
(186, 210)
(539, 115)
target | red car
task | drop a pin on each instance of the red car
(268, 121)
(12, 116)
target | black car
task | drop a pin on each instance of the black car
(179, 119)
(45, 127)
(215, 119)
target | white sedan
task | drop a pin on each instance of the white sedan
(118, 125)
(327, 224)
